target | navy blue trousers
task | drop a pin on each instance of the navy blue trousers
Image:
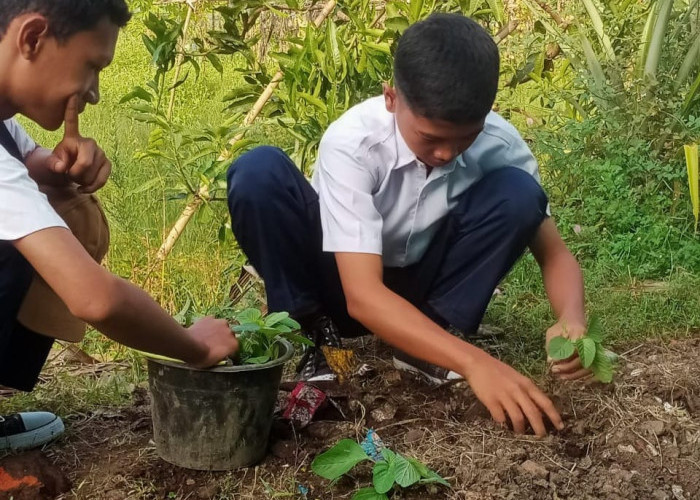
(276, 219)
(22, 351)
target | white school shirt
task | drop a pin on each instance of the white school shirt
(373, 191)
(23, 208)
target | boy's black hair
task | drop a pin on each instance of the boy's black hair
(66, 17)
(446, 67)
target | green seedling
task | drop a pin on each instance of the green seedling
(259, 336)
(590, 351)
(391, 471)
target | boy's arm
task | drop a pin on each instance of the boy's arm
(563, 282)
(499, 387)
(122, 311)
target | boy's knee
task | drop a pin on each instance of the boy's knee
(521, 199)
(256, 171)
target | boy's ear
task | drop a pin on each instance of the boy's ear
(31, 35)
(389, 97)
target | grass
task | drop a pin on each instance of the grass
(202, 269)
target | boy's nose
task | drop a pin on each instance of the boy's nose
(92, 96)
(443, 154)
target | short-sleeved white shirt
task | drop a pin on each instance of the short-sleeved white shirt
(373, 191)
(23, 208)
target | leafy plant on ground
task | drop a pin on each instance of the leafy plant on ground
(391, 470)
(259, 336)
(590, 351)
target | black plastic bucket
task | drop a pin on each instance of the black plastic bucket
(216, 419)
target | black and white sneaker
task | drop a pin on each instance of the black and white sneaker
(313, 366)
(23, 431)
(432, 374)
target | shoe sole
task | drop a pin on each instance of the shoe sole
(34, 438)
(434, 381)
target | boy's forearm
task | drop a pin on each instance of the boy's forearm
(563, 281)
(402, 325)
(134, 313)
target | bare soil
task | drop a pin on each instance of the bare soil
(638, 438)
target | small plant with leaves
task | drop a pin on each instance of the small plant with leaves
(391, 471)
(259, 336)
(590, 351)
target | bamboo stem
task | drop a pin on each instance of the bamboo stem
(180, 58)
(507, 30)
(192, 207)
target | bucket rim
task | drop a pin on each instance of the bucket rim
(286, 356)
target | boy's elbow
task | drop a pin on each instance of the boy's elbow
(357, 308)
(100, 305)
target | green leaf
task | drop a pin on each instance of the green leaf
(416, 9)
(690, 61)
(602, 367)
(137, 93)
(595, 330)
(216, 62)
(383, 475)
(586, 351)
(258, 360)
(406, 473)
(246, 327)
(690, 97)
(369, 494)
(298, 339)
(339, 460)
(497, 10)
(398, 23)
(657, 39)
(597, 23)
(274, 318)
(593, 63)
(251, 315)
(434, 478)
(291, 323)
(561, 348)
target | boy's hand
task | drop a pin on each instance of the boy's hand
(571, 368)
(81, 160)
(505, 392)
(217, 339)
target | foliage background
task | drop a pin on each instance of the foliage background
(609, 139)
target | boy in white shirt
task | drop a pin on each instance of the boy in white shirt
(51, 55)
(422, 201)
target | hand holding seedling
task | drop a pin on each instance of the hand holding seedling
(80, 159)
(587, 349)
(216, 338)
(569, 368)
(507, 393)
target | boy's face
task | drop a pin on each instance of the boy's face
(435, 142)
(48, 72)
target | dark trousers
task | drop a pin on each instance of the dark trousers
(22, 351)
(276, 219)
